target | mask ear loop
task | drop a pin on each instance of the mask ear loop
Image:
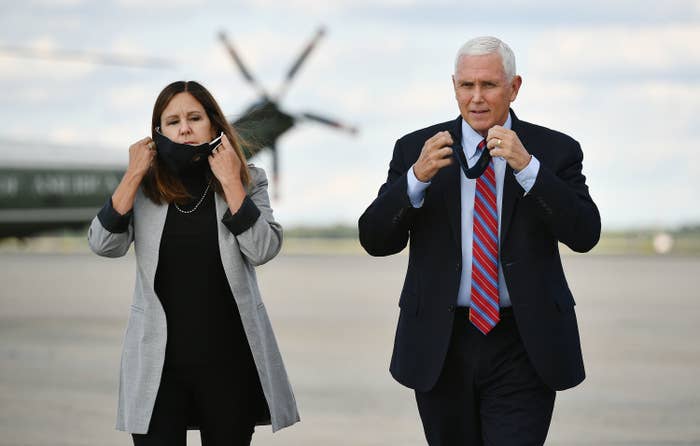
(477, 169)
(216, 142)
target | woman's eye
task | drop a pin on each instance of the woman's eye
(171, 123)
(196, 118)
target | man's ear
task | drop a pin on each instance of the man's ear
(515, 86)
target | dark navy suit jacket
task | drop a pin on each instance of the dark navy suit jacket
(558, 208)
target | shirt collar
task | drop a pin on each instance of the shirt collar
(471, 139)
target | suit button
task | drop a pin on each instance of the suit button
(458, 267)
(451, 308)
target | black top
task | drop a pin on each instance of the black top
(204, 326)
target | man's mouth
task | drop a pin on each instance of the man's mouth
(479, 112)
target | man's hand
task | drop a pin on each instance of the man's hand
(506, 144)
(435, 155)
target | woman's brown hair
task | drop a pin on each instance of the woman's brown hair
(159, 184)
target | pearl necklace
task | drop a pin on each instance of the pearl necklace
(198, 203)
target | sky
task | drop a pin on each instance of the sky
(621, 77)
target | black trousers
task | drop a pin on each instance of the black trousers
(488, 392)
(221, 399)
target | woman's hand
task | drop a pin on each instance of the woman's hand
(141, 155)
(225, 164)
(226, 167)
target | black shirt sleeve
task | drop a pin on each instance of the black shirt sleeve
(112, 220)
(244, 218)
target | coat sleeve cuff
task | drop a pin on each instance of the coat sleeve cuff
(112, 220)
(244, 218)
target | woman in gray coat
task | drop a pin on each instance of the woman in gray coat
(199, 351)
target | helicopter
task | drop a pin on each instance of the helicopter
(264, 121)
(67, 195)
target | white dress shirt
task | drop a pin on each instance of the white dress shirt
(526, 178)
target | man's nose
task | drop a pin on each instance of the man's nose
(477, 97)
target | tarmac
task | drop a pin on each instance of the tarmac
(63, 315)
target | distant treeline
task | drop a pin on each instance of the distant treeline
(341, 231)
(338, 231)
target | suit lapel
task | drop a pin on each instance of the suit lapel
(510, 197)
(511, 188)
(450, 175)
(452, 190)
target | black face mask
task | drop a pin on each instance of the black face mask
(180, 158)
(478, 168)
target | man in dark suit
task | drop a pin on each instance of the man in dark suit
(487, 330)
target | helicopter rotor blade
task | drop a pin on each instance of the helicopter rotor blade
(124, 60)
(330, 122)
(239, 63)
(300, 60)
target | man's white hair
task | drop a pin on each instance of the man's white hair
(479, 46)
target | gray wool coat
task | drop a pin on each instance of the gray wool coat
(143, 353)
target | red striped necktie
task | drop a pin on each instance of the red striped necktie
(484, 310)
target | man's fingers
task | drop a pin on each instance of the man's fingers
(496, 131)
(442, 158)
(444, 152)
(440, 136)
(494, 142)
(444, 162)
(495, 153)
(438, 141)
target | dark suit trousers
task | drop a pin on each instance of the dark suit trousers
(488, 392)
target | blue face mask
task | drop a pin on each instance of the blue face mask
(179, 158)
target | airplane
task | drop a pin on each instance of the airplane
(65, 194)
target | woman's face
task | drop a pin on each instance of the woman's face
(184, 121)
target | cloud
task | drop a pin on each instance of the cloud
(617, 52)
(130, 97)
(56, 3)
(40, 65)
(159, 4)
(311, 196)
(621, 77)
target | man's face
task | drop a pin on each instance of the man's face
(483, 92)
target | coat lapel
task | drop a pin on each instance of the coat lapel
(511, 188)
(452, 189)
(149, 230)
